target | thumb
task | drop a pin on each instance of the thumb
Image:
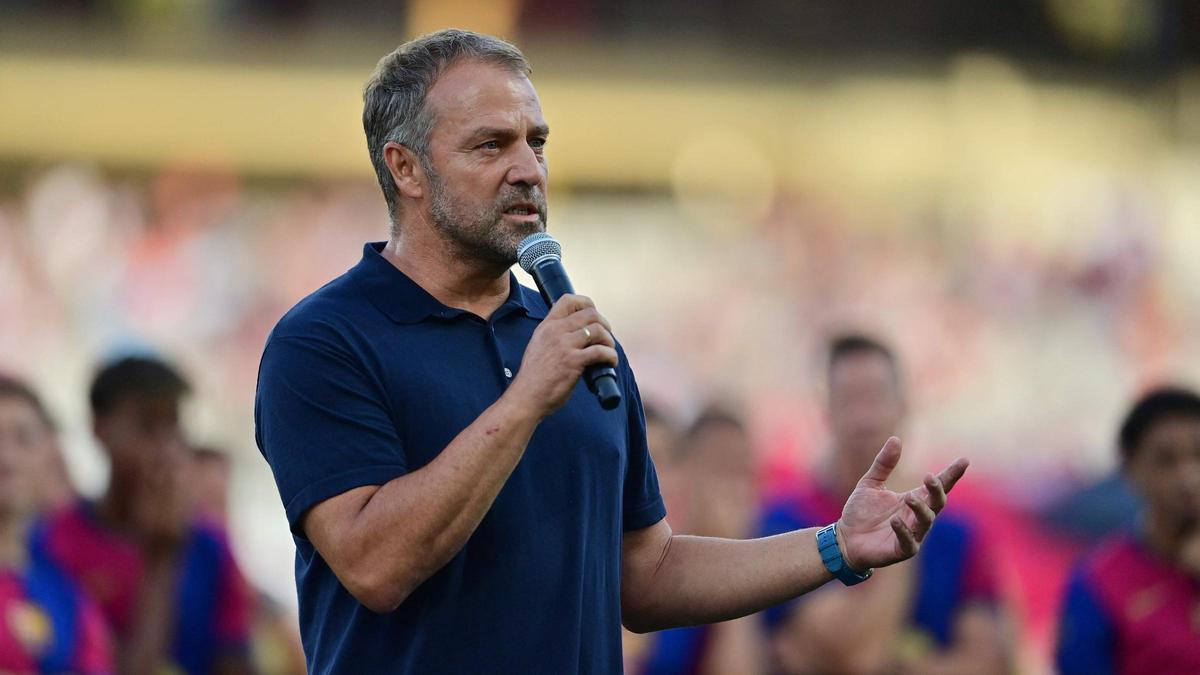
(885, 462)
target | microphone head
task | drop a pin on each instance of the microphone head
(535, 247)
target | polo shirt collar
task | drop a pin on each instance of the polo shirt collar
(405, 302)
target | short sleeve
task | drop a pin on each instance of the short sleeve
(322, 423)
(643, 502)
(94, 651)
(1085, 635)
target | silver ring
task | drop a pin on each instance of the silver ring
(587, 334)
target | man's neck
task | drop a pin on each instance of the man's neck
(475, 287)
(115, 508)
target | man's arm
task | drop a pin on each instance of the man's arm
(981, 645)
(384, 541)
(160, 524)
(672, 580)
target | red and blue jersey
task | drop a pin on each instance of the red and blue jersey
(47, 625)
(1129, 611)
(213, 602)
(954, 566)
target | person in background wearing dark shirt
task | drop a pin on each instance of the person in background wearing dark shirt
(941, 612)
(47, 624)
(167, 584)
(459, 500)
(1133, 606)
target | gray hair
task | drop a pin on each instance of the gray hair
(394, 98)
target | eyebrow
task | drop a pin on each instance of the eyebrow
(501, 132)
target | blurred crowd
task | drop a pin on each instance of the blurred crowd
(1019, 347)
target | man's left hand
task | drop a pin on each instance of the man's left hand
(880, 527)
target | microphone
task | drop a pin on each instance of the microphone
(541, 256)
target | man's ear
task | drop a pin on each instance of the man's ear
(407, 173)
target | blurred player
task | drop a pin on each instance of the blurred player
(168, 585)
(937, 614)
(1134, 605)
(715, 463)
(275, 632)
(47, 624)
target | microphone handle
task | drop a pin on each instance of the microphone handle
(601, 378)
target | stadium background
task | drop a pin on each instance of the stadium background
(1008, 191)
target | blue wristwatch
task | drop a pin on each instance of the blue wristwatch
(831, 555)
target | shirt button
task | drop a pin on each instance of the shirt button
(507, 372)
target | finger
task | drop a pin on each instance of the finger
(906, 543)
(950, 475)
(596, 334)
(599, 354)
(885, 462)
(937, 494)
(586, 317)
(568, 305)
(924, 515)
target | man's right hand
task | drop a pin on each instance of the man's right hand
(573, 336)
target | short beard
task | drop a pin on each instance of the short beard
(478, 235)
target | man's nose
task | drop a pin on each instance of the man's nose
(527, 168)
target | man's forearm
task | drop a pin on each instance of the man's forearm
(706, 580)
(402, 532)
(145, 650)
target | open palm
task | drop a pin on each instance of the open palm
(880, 527)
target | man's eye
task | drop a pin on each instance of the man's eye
(538, 143)
(489, 145)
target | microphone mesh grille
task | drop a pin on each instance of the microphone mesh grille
(535, 246)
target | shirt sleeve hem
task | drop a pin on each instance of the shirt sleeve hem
(645, 515)
(332, 486)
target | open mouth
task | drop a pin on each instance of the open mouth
(522, 211)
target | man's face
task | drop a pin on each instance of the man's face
(865, 407)
(143, 439)
(487, 170)
(26, 442)
(1165, 469)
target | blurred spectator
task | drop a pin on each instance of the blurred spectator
(939, 613)
(1133, 606)
(167, 584)
(275, 633)
(714, 462)
(209, 472)
(51, 486)
(1096, 511)
(48, 625)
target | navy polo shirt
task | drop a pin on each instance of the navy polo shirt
(371, 377)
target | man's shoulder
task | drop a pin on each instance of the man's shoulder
(1115, 558)
(326, 311)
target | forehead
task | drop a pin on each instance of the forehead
(862, 368)
(471, 94)
(145, 406)
(1175, 431)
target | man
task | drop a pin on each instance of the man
(460, 503)
(167, 584)
(1133, 606)
(47, 624)
(939, 614)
